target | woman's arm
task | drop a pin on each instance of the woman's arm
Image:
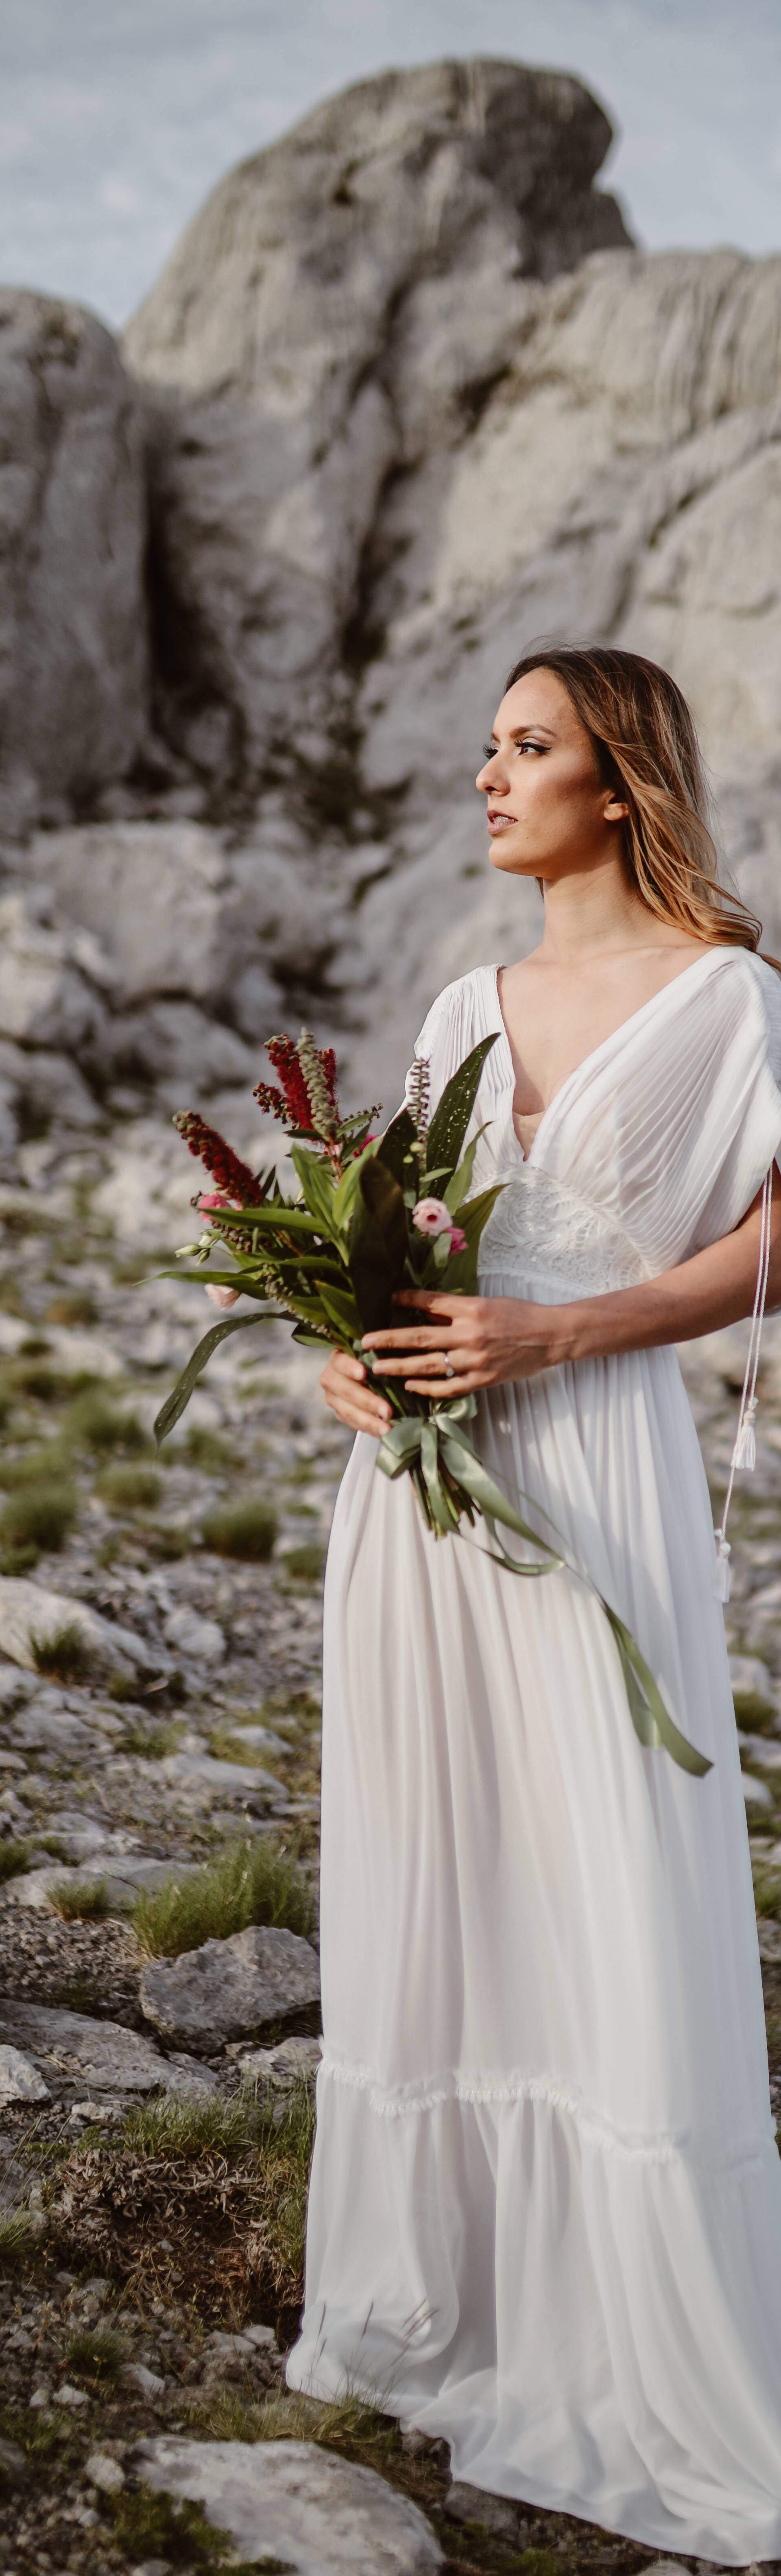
(491, 1339)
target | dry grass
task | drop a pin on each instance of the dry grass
(82, 1900)
(246, 1883)
(203, 2197)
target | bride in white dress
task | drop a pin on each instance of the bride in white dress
(545, 2208)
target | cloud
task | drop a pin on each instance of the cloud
(119, 115)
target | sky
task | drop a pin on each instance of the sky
(118, 116)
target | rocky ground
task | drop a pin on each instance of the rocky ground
(159, 1734)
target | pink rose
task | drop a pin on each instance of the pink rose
(457, 1239)
(222, 1296)
(215, 1199)
(432, 1217)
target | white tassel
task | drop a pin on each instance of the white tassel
(721, 1576)
(745, 1445)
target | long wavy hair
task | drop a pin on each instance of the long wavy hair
(646, 749)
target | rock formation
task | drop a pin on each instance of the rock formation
(73, 664)
(410, 400)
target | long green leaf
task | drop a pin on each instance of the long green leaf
(451, 1119)
(396, 1146)
(378, 1245)
(461, 1272)
(180, 1394)
(341, 1311)
(317, 1184)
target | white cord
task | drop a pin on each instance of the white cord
(745, 1449)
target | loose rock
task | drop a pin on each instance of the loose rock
(28, 1611)
(20, 2081)
(228, 1989)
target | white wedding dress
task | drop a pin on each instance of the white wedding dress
(545, 2209)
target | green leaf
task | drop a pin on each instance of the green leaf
(461, 1272)
(378, 1245)
(180, 1394)
(450, 1121)
(341, 1311)
(396, 1144)
(316, 1180)
(461, 1180)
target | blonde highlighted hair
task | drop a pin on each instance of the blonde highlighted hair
(646, 748)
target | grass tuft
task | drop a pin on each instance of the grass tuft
(38, 1515)
(246, 1883)
(767, 1890)
(304, 1564)
(37, 1465)
(66, 1653)
(208, 1450)
(94, 1421)
(13, 1859)
(18, 2239)
(79, 1900)
(97, 2352)
(246, 1530)
(150, 1742)
(130, 1488)
(755, 1715)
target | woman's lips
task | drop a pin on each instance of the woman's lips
(501, 822)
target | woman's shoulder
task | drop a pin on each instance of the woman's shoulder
(470, 1001)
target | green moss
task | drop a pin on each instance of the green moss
(158, 2526)
(207, 1450)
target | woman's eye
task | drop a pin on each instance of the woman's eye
(530, 746)
(489, 751)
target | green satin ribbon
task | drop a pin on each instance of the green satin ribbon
(422, 1445)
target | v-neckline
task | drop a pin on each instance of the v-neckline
(594, 1053)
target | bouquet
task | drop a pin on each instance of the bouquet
(374, 1214)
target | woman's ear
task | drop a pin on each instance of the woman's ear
(615, 810)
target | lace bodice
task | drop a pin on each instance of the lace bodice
(548, 1240)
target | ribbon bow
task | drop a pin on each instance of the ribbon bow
(424, 1445)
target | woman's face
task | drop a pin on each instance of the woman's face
(548, 811)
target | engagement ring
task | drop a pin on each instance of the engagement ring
(449, 1369)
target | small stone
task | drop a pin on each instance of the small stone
(147, 2382)
(67, 2395)
(13, 2465)
(41, 2398)
(497, 2514)
(756, 1792)
(19, 2079)
(105, 2472)
(190, 1634)
(28, 1611)
(263, 2337)
(229, 1988)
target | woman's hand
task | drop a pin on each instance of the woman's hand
(486, 1340)
(347, 1388)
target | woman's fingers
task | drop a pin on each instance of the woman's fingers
(351, 1397)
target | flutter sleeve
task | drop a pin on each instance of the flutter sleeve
(744, 1131)
(448, 1033)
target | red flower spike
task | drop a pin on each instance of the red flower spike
(292, 1104)
(227, 1169)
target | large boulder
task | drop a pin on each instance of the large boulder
(337, 312)
(73, 624)
(315, 2512)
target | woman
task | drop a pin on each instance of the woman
(545, 2210)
